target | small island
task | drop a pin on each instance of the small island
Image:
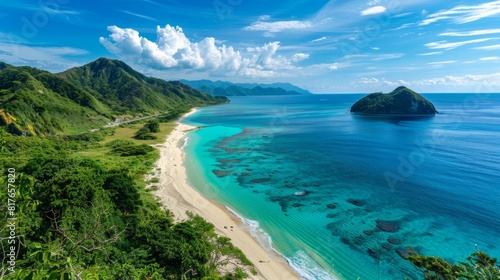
(401, 101)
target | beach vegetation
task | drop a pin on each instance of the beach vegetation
(478, 266)
(80, 193)
(86, 214)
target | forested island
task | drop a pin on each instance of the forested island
(401, 101)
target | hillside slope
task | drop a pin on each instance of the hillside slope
(36, 102)
(125, 90)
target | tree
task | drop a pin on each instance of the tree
(153, 126)
(479, 266)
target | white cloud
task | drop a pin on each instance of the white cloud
(173, 50)
(471, 33)
(429, 53)
(380, 57)
(59, 11)
(373, 10)
(369, 81)
(488, 48)
(452, 45)
(373, 2)
(278, 26)
(54, 59)
(439, 63)
(466, 80)
(489, 80)
(299, 57)
(406, 25)
(333, 66)
(139, 15)
(319, 39)
(465, 13)
(490, 58)
(264, 17)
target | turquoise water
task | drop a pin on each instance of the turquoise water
(343, 196)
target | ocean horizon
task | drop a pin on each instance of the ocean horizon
(343, 196)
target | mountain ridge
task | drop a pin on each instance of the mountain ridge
(37, 102)
(225, 88)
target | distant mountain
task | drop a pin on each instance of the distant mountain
(123, 89)
(401, 101)
(237, 89)
(37, 102)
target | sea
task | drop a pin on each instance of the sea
(345, 196)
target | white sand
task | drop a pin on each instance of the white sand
(178, 196)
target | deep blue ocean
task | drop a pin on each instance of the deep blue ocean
(344, 196)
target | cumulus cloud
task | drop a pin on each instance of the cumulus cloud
(489, 80)
(465, 13)
(173, 50)
(373, 10)
(333, 66)
(299, 57)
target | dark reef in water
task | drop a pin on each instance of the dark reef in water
(388, 226)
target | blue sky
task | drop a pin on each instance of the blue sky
(325, 46)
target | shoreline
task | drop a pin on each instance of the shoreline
(178, 196)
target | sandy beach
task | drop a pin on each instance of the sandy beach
(178, 196)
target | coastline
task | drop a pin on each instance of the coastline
(178, 196)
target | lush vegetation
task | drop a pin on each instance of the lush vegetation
(479, 266)
(401, 101)
(125, 90)
(146, 132)
(36, 102)
(83, 213)
(82, 208)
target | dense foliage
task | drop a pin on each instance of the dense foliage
(125, 90)
(401, 101)
(146, 132)
(36, 102)
(83, 213)
(479, 266)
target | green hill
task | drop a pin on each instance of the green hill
(401, 101)
(126, 91)
(37, 102)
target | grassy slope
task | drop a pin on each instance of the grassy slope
(86, 97)
(41, 103)
(126, 90)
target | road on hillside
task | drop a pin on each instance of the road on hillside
(117, 122)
